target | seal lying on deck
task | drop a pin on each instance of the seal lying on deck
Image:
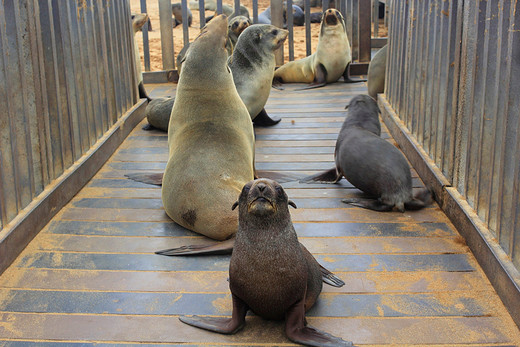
(252, 65)
(371, 163)
(330, 61)
(210, 139)
(177, 14)
(270, 272)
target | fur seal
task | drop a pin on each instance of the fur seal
(298, 16)
(252, 65)
(270, 272)
(210, 140)
(210, 5)
(236, 26)
(177, 13)
(371, 163)
(138, 21)
(155, 113)
(330, 61)
(376, 73)
(230, 12)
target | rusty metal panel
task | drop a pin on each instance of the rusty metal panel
(450, 78)
(57, 88)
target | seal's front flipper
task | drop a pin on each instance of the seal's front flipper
(221, 325)
(320, 78)
(330, 279)
(224, 247)
(346, 76)
(329, 176)
(263, 119)
(297, 332)
(148, 127)
(370, 204)
(277, 83)
(148, 178)
(142, 92)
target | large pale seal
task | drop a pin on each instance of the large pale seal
(376, 73)
(252, 65)
(371, 163)
(330, 61)
(270, 272)
(210, 139)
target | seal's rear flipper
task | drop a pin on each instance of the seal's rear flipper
(329, 176)
(320, 79)
(330, 279)
(422, 199)
(142, 92)
(263, 119)
(224, 247)
(370, 204)
(297, 332)
(147, 177)
(221, 325)
(346, 76)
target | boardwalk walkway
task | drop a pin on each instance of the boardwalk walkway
(91, 276)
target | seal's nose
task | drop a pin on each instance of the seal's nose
(261, 186)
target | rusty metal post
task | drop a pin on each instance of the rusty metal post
(166, 25)
(364, 10)
(277, 20)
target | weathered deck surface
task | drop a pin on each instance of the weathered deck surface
(91, 276)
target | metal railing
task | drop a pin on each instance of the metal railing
(357, 14)
(67, 73)
(452, 78)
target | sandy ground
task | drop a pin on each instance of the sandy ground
(155, 37)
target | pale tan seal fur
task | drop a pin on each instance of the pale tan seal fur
(333, 53)
(210, 139)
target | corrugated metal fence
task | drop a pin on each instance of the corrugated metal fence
(67, 73)
(453, 79)
(358, 26)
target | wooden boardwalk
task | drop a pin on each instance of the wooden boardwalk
(90, 277)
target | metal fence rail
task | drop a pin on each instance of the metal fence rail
(67, 73)
(358, 26)
(452, 75)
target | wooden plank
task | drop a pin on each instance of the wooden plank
(161, 329)
(171, 229)
(216, 281)
(153, 262)
(328, 305)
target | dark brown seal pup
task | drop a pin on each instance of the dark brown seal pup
(270, 272)
(371, 163)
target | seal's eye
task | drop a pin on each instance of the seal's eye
(274, 32)
(279, 190)
(235, 25)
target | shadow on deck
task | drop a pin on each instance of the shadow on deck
(91, 276)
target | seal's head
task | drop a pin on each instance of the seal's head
(263, 37)
(363, 112)
(263, 197)
(332, 18)
(238, 24)
(138, 21)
